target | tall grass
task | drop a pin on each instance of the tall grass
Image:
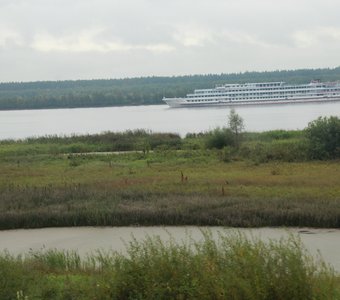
(229, 266)
(273, 135)
(94, 207)
(150, 190)
(277, 145)
(130, 140)
(248, 186)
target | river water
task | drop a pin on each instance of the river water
(158, 118)
(87, 239)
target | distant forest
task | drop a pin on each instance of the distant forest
(136, 91)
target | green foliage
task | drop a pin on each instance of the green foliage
(277, 150)
(269, 136)
(136, 91)
(230, 266)
(226, 154)
(235, 122)
(323, 135)
(219, 138)
(236, 125)
(130, 140)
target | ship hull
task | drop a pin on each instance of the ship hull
(181, 102)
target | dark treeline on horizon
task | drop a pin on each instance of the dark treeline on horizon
(136, 91)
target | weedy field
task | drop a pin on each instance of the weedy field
(166, 187)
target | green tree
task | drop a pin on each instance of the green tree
(236, 125)
(323, 135)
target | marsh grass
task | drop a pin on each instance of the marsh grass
(266, 182)
(148, 189)
(227, 266)
(130, 140)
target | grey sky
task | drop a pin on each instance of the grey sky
(83, 39)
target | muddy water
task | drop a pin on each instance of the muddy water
(88, 239)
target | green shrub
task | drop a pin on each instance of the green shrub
(268, 136)
(226, 154)
(323, 135)
(220, 138)
(280, 150)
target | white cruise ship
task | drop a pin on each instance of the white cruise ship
(259, 93)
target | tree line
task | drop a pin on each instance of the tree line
(136, 91)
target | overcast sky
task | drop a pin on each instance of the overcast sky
(84, 39)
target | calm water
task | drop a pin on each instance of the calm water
(88, 239)
(27, 123)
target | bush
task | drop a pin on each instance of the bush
(226, 154)
(281, 150)
(323, 135)
(220, 138)
(268, 136)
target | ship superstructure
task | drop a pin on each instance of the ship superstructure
(259, 93)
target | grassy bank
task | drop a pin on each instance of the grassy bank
(230, 267)
(165, 187)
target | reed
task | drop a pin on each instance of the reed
(230, 266)
(134, 188)
(81, 205)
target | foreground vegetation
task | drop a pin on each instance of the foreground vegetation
(258, 179)
(228, 267)
(136, 91)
